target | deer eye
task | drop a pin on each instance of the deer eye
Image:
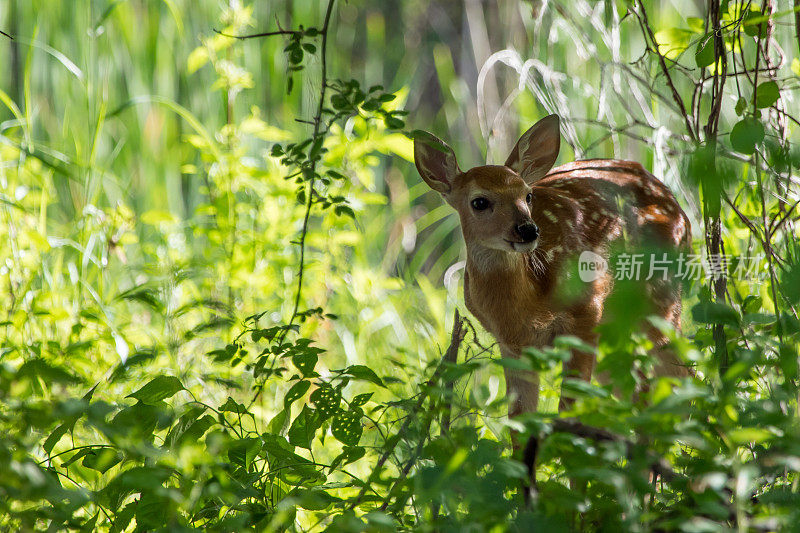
(480, 203)
(529, 198)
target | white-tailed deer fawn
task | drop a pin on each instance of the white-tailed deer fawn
(524, 223)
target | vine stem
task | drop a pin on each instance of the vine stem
(317, 120)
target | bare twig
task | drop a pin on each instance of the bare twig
(6, 35)
(451, 358)
(648, 30)
(255, 35)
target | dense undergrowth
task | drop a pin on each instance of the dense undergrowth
(218, 317)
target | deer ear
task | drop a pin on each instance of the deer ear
(436, 162)
(536, 150)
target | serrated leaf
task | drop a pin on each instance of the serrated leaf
(232, 406)
(158, 389)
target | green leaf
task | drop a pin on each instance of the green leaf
(304, 427)
(741, 106)
(350, 454)
(327, 400)
(767, 94)
(577, 388)
(346, 427)
(315, 499)
(101, 460)
(232, 406)
(139, 420)
(48, 372)
(70, 422)
(715, 313)
(136, 479)
(746, 134)
(297, 391)
(244, 451)
(361, 399)
(750, 435)
(305, 361)
(158, 389)
(704, 56)
(673, 41)
(364, 373)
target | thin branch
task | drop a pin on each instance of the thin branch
(310, 189)
(6, 35)
(255, 35)
(456, 338)
(451, 357)
(648, 30)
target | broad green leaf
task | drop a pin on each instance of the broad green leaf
(673, 41)
(704, 55)
(136, 479)
(767, 94)
(715, 313)
(346, 426)
(101, 459)
(244, 451)
(315, 499)
(350, 454)
(232, 406)
(746, 134)
(305, 361)
(302, 431)
(327, 400)
(63, 428)
(297, 391)
(158, 389)
(364, 373)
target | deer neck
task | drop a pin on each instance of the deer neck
(495, 265)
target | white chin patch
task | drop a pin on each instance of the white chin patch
(523, 247)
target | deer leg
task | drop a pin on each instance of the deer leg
(580, 365)
(522, 389)
(522, 386)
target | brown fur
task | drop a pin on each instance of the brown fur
(516, 292)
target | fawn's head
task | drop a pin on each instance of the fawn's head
(493, 201)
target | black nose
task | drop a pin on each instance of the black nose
(527, 231)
